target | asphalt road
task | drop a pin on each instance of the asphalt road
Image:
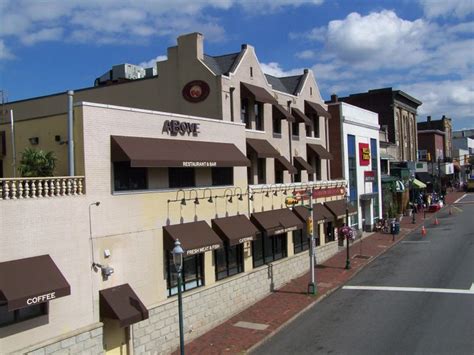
(354, 321)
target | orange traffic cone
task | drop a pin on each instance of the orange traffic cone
(423, 231)
(436, 221)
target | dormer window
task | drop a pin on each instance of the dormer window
(251, 72)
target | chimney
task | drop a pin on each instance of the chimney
(428, 119)
(243, 47)
(334, 98)
(191, 45)
(444, 116)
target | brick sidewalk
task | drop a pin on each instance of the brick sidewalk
(289, 301)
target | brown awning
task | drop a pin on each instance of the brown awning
(301, 117)
(276, 221)
(258, 93)
(320, 213)
(263, 148)
(279, 111)
(281, 163)
(317, 109)
(235, 230)
(320, 151)
(338, 208)
(154, 152)
(302, 164)
(195, 237)
(123, 304)
(29, 281)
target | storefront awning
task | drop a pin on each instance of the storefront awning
(281, 163)
(427, 178)
(301, 117)
(263, 148)
(235, 230)
(154, 152)
(123, 304)
(29, 281)
(386, 156)
(302, 164)
(388, 179)
(418, 184)
(276, 221)
(319, 150)
(258, 93)
(338, 208)
(279, 111)
(321, 213)
(317, 109)
(303, 213)
(195, 237)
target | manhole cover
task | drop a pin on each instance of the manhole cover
(358, 256)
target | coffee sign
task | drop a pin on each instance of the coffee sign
(364, 154)
(175, 127)
(196, 91)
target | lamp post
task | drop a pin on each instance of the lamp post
(310, 231)
(413, 217)
(178, 264)
(348, 259)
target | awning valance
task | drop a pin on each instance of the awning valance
(235, 229)
(195, 237)
(123, 304)
(29, 281)
(281, 163)
(301, 117)
(338, 208)
(276, 221)
(154, 152)
(319, 150)
(302, 164)
(317, 109)
(279, 111)
(418, 184)
(258, 93)
(263, 148)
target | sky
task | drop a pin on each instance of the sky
(423, 47)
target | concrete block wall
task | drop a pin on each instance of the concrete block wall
(207, 307)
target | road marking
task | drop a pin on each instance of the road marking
(412, 289)
(460, 198)
(249, 325)
(416, 241)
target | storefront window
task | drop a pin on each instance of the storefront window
(20, 315)
(193, 273)
(222, 176)
(258, 109)
(266, 249)
(181, 177)
(229, 261)
(300, 241)
(128, 178)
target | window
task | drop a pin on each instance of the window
(351, 147)
(318, 169)
(229, 261)
(258, 109)
(329, 235)
(193, 275)
(261, 171)
(181, 177)
(222, 176)
(295, 129)
(266, 249)
(278, 176)
(297, 177)
(309, 131)
(300, 241)
(375, 184)
(244, 113)
(316, 126)
(128, 178)
(20, 315)
(251, 72)
(276, 125)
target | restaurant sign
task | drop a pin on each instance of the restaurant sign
(202, 249)
(196, 91)
(319, 193)
(369, 176)
(199, 164)
(246, 239)
(40, 299)
(175, 127)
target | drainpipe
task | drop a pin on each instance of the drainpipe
(289, 139)
(70, 132)
(328, 171)
(12, 122)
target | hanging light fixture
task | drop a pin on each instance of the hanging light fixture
(183, 201)
(251, 197)
(240, 197)
(266, 194)
(284, 192)
(275, 193)
(230, 199)
(210, 200)
(196, 201)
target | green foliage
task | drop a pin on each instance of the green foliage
(37, 163)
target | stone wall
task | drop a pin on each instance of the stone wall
(81, 342)
(207, 307)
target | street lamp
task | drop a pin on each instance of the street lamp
(348, 259)
(178, 264)
(413, 217)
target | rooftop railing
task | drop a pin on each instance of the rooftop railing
(41, 187)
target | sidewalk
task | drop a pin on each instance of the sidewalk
(289, 301)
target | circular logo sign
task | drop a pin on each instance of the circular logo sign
(196, 91)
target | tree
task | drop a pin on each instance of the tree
(36, 163)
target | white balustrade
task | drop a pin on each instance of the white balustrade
(41, 187)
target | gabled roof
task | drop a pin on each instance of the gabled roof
(221, 64)
(288, 84)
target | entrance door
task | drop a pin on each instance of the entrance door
(115, 338)
(329, 232)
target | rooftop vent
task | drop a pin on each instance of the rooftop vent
(124, 72)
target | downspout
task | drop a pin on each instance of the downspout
(70, 132)
(328, 174)
(289, 139)
(12, 122)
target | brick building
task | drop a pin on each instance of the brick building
(445, 126)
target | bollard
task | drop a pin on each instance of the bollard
(423, 231)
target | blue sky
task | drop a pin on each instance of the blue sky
(424, 47)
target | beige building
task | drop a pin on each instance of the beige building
(215, 175)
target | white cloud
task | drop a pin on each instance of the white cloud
(47, 34)
(266, 6)
(5, 53)
(447, 8)
(275, 69)
(152, 62)
(306, 54)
